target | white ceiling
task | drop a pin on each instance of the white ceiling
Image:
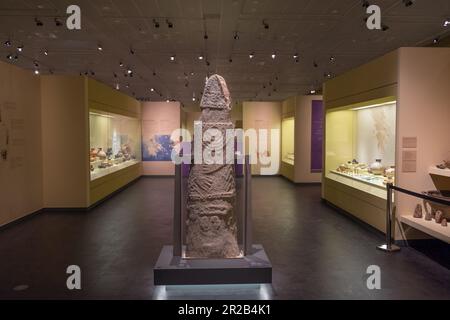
(316, 29)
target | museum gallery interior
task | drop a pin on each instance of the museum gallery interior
(215, 149)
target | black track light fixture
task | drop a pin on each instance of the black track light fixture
(265, 24)
(365, 4)
(315, 64)
(169, 24)
(236, 35)
(384, 27)
(155, 23)
(205, 36)
(8, 43)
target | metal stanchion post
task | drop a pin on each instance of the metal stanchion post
(388, 246)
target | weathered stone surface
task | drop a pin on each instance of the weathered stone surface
(439, 216)
(211, 223)
(418, 211)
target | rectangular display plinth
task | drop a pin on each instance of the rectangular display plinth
(254, 268)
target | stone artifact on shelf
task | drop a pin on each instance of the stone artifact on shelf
(438, 216)
(444, 222)
(211, 224)
(418, 211)
(428, 216)
(433, 207)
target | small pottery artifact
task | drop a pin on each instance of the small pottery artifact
(444, 222)
(428, 216)
(377, 167)
(101, 154)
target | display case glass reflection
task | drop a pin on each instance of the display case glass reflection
(114, 143)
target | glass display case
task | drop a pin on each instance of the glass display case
(360, 146)
(287, 140)
(114, 143)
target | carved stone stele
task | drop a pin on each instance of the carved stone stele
(211, 223)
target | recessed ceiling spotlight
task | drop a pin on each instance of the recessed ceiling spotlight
(169, 24)
(251, 55)
(117, 86)
(327, 75)
(200, 57)
(9, 57)
(99, 47)
(129, 71)
(295, 56)
(332, 59)
(167, 100)
(236, 35)
(58, 22)
(192, 73)
(38, 22)
(8, 43)
(151, 89)
(46, 52)
(193, 99)
(265, 24)
(20, 48)
(446, 22)
(155, 23)
(273, 55)
(435, 40)
(36, 72)
(127, 86)
(120, 64)
(172, 58)
(312, 91)
(408, 3)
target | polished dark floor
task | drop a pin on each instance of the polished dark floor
(316, 252)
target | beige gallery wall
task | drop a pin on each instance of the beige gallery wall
(159, 118)
(262, 115)
(21, 172)
(423, 112)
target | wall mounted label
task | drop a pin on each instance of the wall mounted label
(409, 161)
(316, 135)
(409, 142)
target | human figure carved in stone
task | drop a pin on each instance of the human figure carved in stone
(211, 224)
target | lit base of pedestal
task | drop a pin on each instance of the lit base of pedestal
(254, 268)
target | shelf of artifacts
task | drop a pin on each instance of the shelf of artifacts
(103, 166)
(361, 176)
(430, 217)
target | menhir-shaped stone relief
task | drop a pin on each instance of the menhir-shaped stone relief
(211, 224)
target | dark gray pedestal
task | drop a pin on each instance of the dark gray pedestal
(254, 268)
